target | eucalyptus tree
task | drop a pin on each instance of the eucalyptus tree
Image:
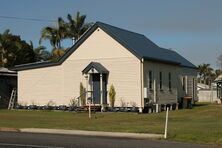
(77, 26)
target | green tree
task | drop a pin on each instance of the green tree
(77, 26)
(5, 45)
(41, 54)
(14, 51)
(112, 95)
(55, 34)
(206, 74)
(56, 54)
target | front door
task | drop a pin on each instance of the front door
(96, 88)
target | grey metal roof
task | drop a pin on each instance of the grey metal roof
(6, 72)
(143, 47)
(99, 67)
(136, 43)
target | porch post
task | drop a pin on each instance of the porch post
(87, 82)
(101, 91)
(92, 92)
(154, 93)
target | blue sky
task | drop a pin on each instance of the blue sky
(191, 27)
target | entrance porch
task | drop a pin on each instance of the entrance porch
(96, 78)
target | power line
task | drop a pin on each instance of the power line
(26, 19)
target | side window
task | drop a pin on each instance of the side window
(183, 83)
(170, 84)
(161, 80)
(150, 80)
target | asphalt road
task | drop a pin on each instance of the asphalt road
(24, 140)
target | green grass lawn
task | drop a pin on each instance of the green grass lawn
(202, 124)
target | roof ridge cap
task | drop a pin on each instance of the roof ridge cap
(98, 22)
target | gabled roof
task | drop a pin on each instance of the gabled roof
(137, 44)
(97, 66)
(142, 47)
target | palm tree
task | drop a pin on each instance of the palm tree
(41, 54)
(55, 34)
(77, 26)
(56, 54)
(205, 73)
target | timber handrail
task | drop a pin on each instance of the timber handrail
(84, 93)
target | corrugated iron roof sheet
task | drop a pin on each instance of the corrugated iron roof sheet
(143, 47)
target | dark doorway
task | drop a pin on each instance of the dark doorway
(96, 88)
(7, 83)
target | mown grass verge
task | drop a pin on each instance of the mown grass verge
(202, 124)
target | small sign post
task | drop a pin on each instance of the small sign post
(166, 124)
(89, 101)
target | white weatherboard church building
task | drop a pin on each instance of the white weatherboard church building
(139, 70)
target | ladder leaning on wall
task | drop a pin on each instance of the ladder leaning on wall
(12, 99)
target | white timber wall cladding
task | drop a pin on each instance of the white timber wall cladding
(164, 95)
(61, 83)
(191, 83)
(39, 86)
(123, 74)
(123, 66)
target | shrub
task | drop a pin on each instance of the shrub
(82, 94)
(112, 95)
(49, 105)
(73, 103)
(133, 104)
(123, 103)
